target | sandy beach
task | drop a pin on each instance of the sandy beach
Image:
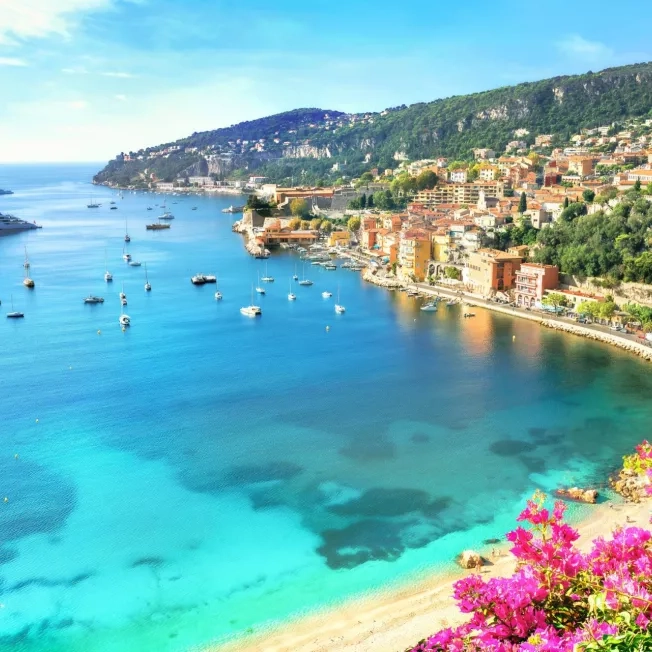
(395, 620)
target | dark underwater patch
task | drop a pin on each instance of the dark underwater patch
(152, 562)
(7, 555)
(382, 502)
(254, 473)
(533, 464)
(366, 449)
(44, 582)
(420, 438)
(437, 506)
(511, 447)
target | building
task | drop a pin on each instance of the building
(274, 233)
(201, 181)
(482, 154)
(532, 282)
(339, 239)
(489, 270)
(459, 176)
(582, 166)
(644, 176)
(459, 193)
(414, 254)
(543, 140)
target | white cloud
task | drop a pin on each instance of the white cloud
(121, 75)
(38, 18)
(121, 98)
(581, 48)
(78, 70)
(11, 61)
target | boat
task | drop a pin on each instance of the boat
(156, 226)
(93, 299)
(330, 267)
(125, 255)
(431, 306)
(27, 281)
(134, 263)
(291, 295)
(92, 204)
(201, 279)
(127, 238)
(296, 276)
(450, 303)
(113, 208)
(267, 278)
(14, 314)
(10, 223)
(252, 310)
(339, 308)
(124, 320)
(194, 208)
(148, 286)
(108, 277)
(327, 295)
(149, 208)
(305, 281)
(218, 294)
(111, 202)
(166, 215)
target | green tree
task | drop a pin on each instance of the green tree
(366, 177)
(453, 272)
(370, 201)
(355, 204)
(648, 189)
(363, 201)
(262, 207)
(299, 207)
(566, 202)
(305, 225)
(426, 180)
(554, 300)
(384, 200)
(522, 203)
(588, 196)
(326, 226)
(588, 308)
(295, 224)
(637, 185)
(315, 223)
(354, 223)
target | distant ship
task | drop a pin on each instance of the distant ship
(11, 223)
(6, 192)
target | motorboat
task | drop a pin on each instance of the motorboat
(93, 299)
(431, 306)
(113, 208)
(134, 263)
(327, 295)
(305, 282)
(330, 267)
(202, 279)
(10, 223)
(156, 226)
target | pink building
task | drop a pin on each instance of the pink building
(532, 281)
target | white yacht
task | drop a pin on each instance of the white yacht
(10, 223)
(124, 320)
(327, 295)
(166, 215)
(431, 306)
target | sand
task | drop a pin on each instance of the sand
(397, 619)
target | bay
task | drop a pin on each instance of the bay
(202, 474)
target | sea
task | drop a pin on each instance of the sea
(201, 475)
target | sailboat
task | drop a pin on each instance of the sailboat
(291, 295)
(125, 256)
(14, 314)
(123, 296)
(267, 278)
(27, 281)
(339, 308)
(304, 280)
(148, 287)
(252, 310)
(108, 277)
(166, 215)
(296, 276)
(218, 294)
(259, 289)
(125, 320)
(92, 204)
(127, 238)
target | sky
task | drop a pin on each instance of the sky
(82, 80)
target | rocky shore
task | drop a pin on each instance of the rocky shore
(641, 350)
(389, 282)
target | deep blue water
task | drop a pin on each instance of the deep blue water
(202, 474)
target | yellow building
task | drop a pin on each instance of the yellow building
(339, 238)
(460, 193)
(442, 246)
(414, 254)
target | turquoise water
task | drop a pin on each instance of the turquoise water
(203, 474)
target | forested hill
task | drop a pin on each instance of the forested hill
(310, 141)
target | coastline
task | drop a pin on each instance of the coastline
(393, 620)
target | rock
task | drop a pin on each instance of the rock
(581, 495)
(469, 559)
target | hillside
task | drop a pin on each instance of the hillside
(308, 142)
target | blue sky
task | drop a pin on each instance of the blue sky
(85, 79)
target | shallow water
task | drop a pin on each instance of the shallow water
(202, 474)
